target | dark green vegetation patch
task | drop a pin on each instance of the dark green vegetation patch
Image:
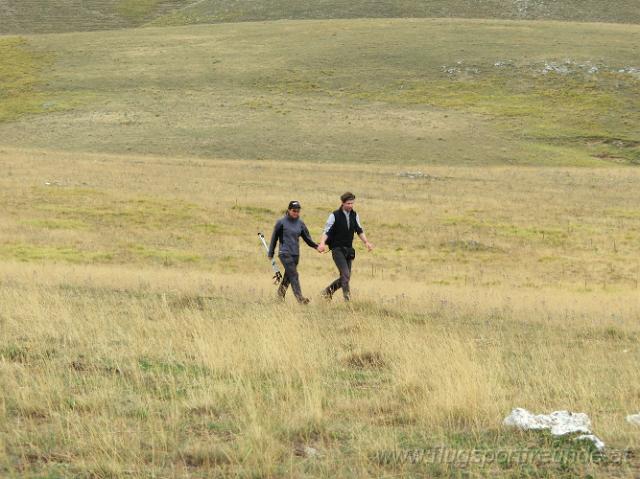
(20, 76)
(32, 16)
(213, 11)
(48, 16)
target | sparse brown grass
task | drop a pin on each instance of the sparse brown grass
(139, 333)
(489, 289)
(569, 229)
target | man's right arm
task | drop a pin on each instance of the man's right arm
(325, 233)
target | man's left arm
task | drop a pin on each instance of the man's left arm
(361, 234)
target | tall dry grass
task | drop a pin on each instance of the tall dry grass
(140, 336)
(113, 372)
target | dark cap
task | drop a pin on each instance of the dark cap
(294, 205)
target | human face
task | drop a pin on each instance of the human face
(294, 213)
(348, 205)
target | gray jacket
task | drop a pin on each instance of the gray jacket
(287, 231)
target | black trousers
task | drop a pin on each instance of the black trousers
(290, 263)
(343, 260)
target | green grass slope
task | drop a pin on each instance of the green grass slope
(37, 16)
(21, 72)
(403, 91)
(208, 11)
(34, 16)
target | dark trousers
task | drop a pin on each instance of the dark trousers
(290, 277)
(343, 262)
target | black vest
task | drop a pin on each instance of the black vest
(339, 235)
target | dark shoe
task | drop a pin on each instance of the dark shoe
(282, 292)
(326, 295)
(303, 300)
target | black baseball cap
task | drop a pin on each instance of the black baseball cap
(294, 205)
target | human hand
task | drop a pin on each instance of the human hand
(369, 246)
(321, 248)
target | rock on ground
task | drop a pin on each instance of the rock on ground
(558, 422)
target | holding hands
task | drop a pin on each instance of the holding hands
(322, 248)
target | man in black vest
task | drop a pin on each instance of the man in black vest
(341, 225)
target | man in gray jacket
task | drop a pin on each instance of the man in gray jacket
(288, 230)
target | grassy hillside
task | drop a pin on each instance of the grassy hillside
(141, 338)
(21, 75)
(568, 229)
(420, 91)
(32, 16)
(36, 16)
(139, 333)
(208, 11)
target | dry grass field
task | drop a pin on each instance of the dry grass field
(495, 168)
(141, 336)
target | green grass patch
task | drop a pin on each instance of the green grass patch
(255, 211)
(56, 224)
(100, 209)
(165, 257)
(66, 15)
(31, 252)
(552, 235)
(623, 213)
(208, 228)
(214, 11)
(579, 111)
(175, 368)
(21, 75)
(486, 92)
(49, 16)
(573, 110)
(136, 9)
(472, 246)
(14, 353)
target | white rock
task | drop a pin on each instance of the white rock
(594, 439)
(634, 419)
(559, 422)
(306, 451)
(411, 174)
(310, 451)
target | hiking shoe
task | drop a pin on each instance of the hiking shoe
(281, 292)
(303, 300)
(326, 295)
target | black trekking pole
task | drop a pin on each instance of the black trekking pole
(277, 277)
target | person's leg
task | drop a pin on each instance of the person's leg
(284, 284)
(346, 289)
(327, 292)
(290, 264)
(344, 268)
(332, 288)
(295, 283)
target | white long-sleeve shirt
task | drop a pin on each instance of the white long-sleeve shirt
(332, 219)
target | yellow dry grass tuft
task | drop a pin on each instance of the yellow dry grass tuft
(130, 366)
